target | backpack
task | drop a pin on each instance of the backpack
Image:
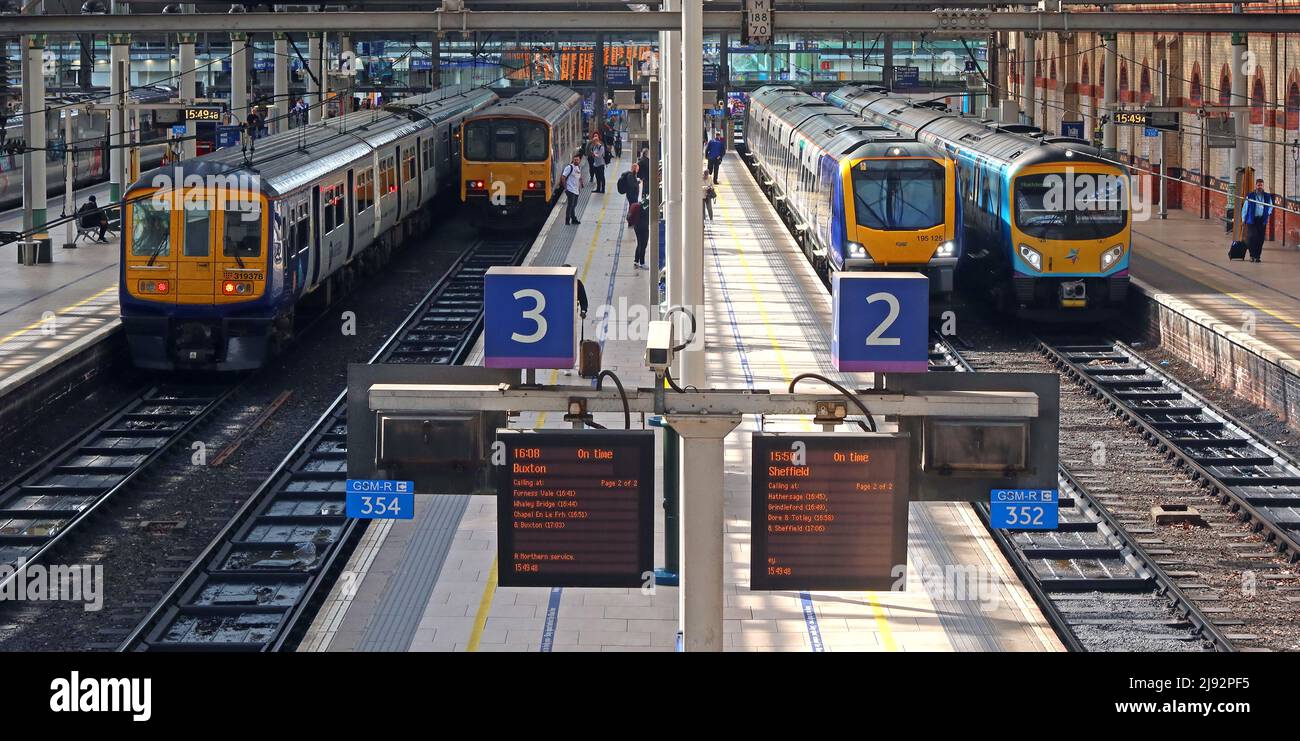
(568, 170)
(622, 182)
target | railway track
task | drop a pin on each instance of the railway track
(1259, 481)
(258, 584)
(42, 508)
(1096, 584)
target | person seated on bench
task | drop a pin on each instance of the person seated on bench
(92, 216)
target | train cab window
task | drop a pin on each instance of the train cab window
(243, 232)
(505, 141)
(898, 194)
(196, 232)
(534, 142)
(150, 228)
(477, 136)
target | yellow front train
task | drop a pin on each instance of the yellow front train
(513, 152)
(860, 197)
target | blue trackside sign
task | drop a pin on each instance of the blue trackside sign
(530, 317)
(1024, 509)
(380, 499)
(880, 322)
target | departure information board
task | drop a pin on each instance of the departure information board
(574, 508)
(829, 511)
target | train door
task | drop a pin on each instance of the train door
(397, 161)
(350, 212)
(315, 247)
(196, 275)
(238, 254)
(421, 146)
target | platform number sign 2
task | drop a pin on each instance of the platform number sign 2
(530, 317)
(880, 322)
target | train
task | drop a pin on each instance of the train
(218, 252)
(860, 196)
(513, 152)
(90, 139)
(1047, 220)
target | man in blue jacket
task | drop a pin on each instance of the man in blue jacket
(1255, 214)
(713, 153)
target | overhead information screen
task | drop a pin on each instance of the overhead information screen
(574, 508)
(829, 511)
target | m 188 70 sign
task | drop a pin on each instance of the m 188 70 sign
(574, 508)
(829, 511)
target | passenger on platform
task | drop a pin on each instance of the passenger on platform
(638, 217)
(582, 296)
(629, 184)
(709, 194)
(714, 153)
(1255, 214)
(598, 161)
(92, 216)
(616, 136)
(607, 137)
(573, 184)
(643, 171)
(252, 123)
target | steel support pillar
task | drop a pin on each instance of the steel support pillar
(119, 69)
(239, 78)
(1110, 92)
(34, 171)
(692, 189)
(1028, 58)
(315, 55)
(700, 595)
(280, 83)
(188, 87)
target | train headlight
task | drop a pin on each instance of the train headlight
(154, 286)
(857, 251)
(237, 288)
(1031, 256)
(947, 249)
(1111, 256)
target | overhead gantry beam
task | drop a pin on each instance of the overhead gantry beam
(651, 22)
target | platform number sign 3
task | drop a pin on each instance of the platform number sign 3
(530, 317)
(880, 322)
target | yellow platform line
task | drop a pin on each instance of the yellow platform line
(484, 607)
(489, 589)
(877, 610)
(63, 310)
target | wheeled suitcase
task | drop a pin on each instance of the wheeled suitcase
(1237, 251)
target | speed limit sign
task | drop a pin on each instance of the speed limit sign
(758, 22)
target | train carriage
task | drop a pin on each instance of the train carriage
(219, 251)
(513, 153)
(1047, 219)
(862, 197)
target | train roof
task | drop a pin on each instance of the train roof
(1016, 144)
(838, 131)
(548, 103)
(288, 160)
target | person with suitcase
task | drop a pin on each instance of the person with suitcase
(1255, 213)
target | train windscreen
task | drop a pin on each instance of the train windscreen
(505, 140)
(1071, 205)
(896, 194)
(150, 228)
